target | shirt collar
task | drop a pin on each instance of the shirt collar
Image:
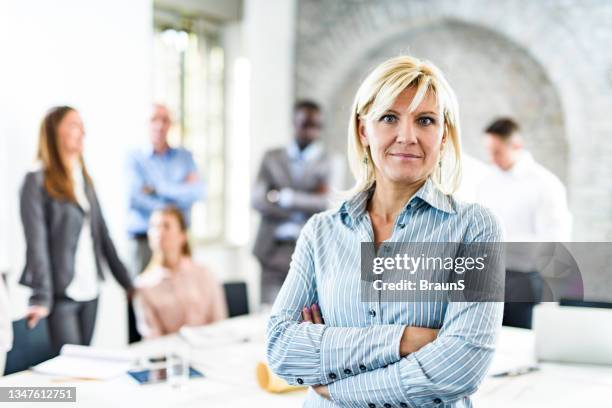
(151, 152)
(311, 152)
(429, 194)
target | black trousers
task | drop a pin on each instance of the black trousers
(71, 322)
(140, 256)
(274, 270)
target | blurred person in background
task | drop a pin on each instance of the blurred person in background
(174, 291)
(532, 205)
(6, 329)
(65, 233)
(159, 176)
(292, 184)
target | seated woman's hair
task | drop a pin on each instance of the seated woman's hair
(377, 94)
(180, 218)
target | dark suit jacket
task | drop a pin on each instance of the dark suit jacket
(275, 173)
(52, 229)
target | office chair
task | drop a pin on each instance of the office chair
(237, 298)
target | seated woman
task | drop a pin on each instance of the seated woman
(174, 291)
(404, 150)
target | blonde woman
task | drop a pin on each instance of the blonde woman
(174, 291)
(404, 151)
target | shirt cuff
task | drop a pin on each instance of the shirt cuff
(286, 198)
(346, 352)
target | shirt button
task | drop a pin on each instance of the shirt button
(332, 376)
(300, 381)
(403, 405)
(347, 371)
(372, 312)
(362, 367)
(371, 405)
(437, 400)
(387, 405)
(402, 225)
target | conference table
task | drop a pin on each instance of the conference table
(228, 362)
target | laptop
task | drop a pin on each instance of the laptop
(579, 333)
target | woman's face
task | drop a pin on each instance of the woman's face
(404, 145)
(165, 235)
(71, 133)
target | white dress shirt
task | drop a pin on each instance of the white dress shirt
(530, 201)
(298, 162)
(84, 285)
(6, 329)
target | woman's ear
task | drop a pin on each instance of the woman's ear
(363, 136)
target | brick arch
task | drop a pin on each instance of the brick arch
(332, 39)
(486, 87)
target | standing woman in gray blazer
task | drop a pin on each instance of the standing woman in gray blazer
(66, 236)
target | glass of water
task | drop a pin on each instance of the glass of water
(177, 365)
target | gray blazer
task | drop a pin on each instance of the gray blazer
(52, 229)
(275, 173)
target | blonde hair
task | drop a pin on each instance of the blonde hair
(378, 92)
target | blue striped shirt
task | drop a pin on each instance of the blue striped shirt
(356, 351)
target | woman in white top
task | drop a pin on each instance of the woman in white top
(66, 235)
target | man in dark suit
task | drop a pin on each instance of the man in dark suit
(292, 184)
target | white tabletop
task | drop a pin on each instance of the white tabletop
(230, 378)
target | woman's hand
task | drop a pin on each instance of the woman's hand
(312, 314)
(322, 390)
(416, 337)
(34, 314)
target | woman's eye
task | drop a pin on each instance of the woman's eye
(389, 118)
(426, 121)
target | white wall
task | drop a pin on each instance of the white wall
(269, 35)
(94, 55)
(97, 56)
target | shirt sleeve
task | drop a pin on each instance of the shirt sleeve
(447, 369)
(553, 220)
(38, 263)
(139, 200)
(217, 301)
(183, 194)
(306, 353)
(147, 322)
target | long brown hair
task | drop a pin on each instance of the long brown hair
(58, 182)
(178, 216)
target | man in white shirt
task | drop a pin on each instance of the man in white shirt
(6, 330)
(532, 205)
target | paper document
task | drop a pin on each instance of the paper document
(87, 362)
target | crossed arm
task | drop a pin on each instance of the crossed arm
(382, 364)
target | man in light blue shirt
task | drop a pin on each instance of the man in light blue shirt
(159, 176)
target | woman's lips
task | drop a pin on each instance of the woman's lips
(406, 156)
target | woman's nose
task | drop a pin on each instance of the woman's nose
(406, 134)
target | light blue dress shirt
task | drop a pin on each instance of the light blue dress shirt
(166, 174)
(356, 351)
